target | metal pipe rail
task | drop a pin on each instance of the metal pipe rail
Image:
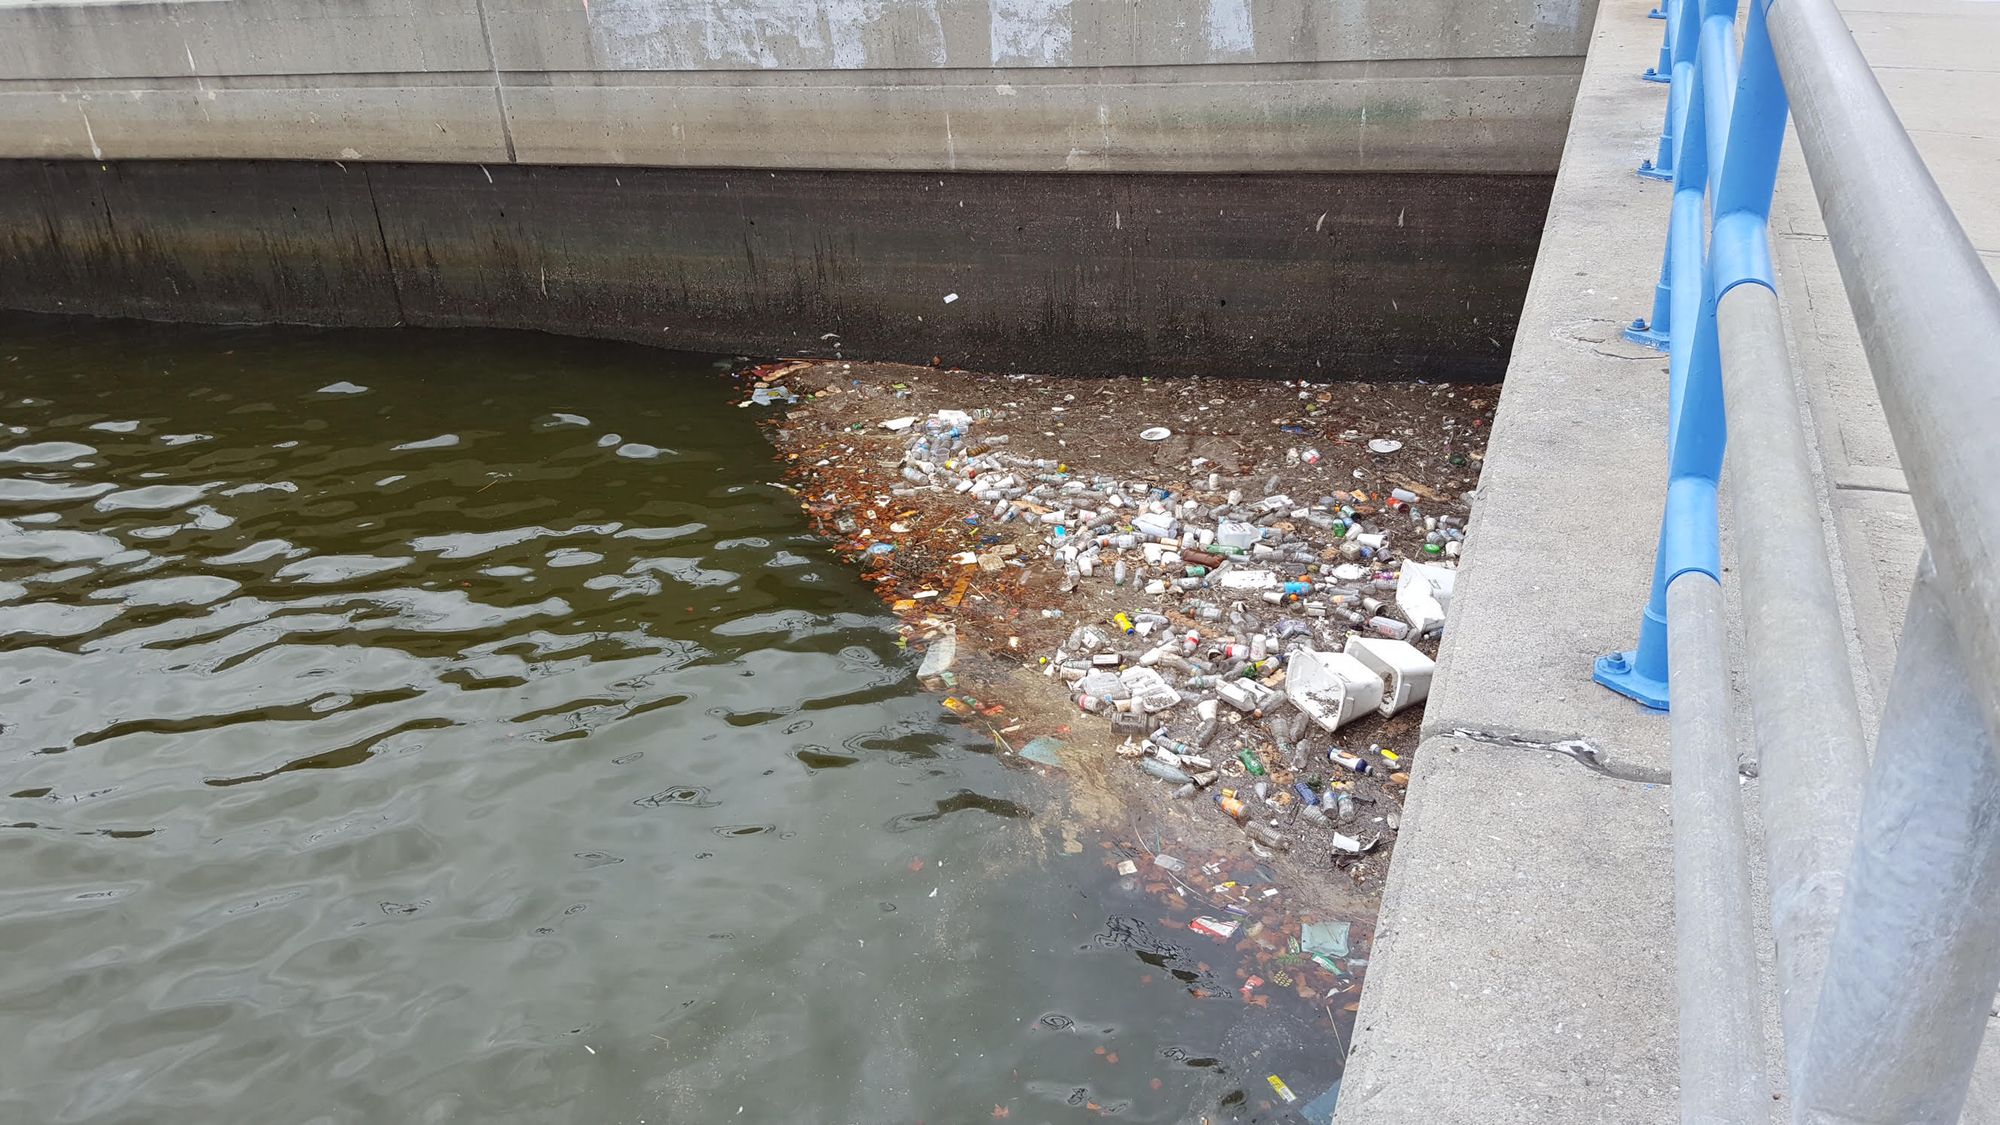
(1885, 898)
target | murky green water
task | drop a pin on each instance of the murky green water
(412, 727)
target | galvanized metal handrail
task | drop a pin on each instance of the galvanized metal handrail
(1885, 901)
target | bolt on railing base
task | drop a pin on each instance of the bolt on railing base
(1620, 672)
(1657, 14)
(1653, 74)
(1645, 335)
(1650, 171)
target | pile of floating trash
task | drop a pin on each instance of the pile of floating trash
(1252, 619)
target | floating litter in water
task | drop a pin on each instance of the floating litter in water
(1156, 433)
(1384, 445)
(950, 297)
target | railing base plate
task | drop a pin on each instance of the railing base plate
(1657, 14)
(1647, 171)
(1652, 74)
(1645, 335)
(1619, 673)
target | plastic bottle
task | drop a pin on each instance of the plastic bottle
(1353, 762)
(1250, 763)
(1266, 835)
(1388, 627)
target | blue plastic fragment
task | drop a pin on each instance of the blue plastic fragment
(1044, 750)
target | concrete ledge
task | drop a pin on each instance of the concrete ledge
(1521, 973)
(1559, 554)
(1524, 966)
(1505, 118)
(1155, 119)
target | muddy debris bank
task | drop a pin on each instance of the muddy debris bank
(1218, 599)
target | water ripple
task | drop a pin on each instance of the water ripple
(382, 744)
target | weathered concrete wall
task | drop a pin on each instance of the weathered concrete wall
(1289, 274)
(1071, 168)
(996, 85)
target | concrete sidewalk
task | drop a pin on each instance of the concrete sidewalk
(1523, 970)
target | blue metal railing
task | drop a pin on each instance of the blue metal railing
(1725, 129)
(1884, 895)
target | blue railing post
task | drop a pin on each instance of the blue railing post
(1704, 92)
(1729, 125)
(1682, 37)
(1663, 71)
(1641, 672)
(1683, 32)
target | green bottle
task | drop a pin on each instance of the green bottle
(1250, 762)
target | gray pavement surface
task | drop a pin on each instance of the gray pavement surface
(1523, 969)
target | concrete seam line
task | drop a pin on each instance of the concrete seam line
(1576, 747)
(912, 79)
(499, 86)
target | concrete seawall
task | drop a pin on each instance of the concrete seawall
(1178, 86)
(1184, 186)
(1340, 274)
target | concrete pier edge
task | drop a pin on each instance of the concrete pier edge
(1523, 967)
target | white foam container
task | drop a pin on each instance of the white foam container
(1399, 666)
(1332, 688)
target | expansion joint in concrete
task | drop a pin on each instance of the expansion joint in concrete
(1584, 751)
(499, 88)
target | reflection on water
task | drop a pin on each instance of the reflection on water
(459, 727)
